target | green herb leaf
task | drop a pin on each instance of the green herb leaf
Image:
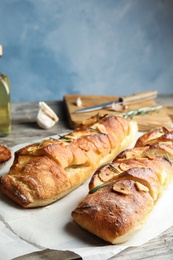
(140, 111)
(96, 130)
(65, 139)
(40, 143)
(112, 168)
(167, 157)
(99, 187)
(101, 117)
(51, 138)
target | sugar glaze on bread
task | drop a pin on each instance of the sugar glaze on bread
(45, 172)
(123, 193)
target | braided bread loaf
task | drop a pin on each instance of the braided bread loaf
(44, 172)
(123, 193)
(5, 154)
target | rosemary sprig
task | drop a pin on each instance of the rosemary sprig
(167, 157)
(53, 139)
(65, 139)
(112, 168)
(96, 130)
(99, 187)
(161, 131)
(100, 117)
(44, 140)
(40, 143)
(61, 139)
(140, 111)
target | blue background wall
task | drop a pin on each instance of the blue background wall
(105, 47)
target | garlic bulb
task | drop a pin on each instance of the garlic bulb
(46, 117)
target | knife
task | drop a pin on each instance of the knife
(126, 100)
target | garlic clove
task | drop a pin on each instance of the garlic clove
(119, 107)
(120, 187)
(46, 117)
(78, 102)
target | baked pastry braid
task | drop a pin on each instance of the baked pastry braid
(5, 154)
(45, 172)
(155, 136)
(123, 193)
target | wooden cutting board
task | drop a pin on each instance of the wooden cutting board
(145, 122)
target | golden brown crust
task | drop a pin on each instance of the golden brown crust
(5, 153)
(123, 193)
(44, 172)
(155, 136)
(109, 214)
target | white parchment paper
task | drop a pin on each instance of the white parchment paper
(27, 230)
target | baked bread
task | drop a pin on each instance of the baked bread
(123, 193)
(44, 172)
(5, 153)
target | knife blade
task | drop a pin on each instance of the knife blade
(126, 100)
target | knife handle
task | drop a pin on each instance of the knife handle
(141, 96)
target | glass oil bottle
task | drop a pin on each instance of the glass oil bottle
(5, 112)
